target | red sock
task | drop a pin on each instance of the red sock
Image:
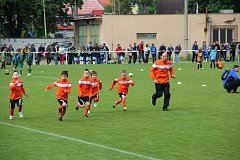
(19, 108)
(11, 111)
(123, 102)
(86, 110)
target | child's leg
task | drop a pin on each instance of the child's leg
(87, 108)
(12, 107)
(19, 104)
(123, 101)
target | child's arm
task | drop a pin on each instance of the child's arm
(132, 83)
(50, 86)
(69, 89)
(100, 85)
(113, 83)
(13, 85)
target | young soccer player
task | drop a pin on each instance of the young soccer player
(96, 85)
(17, 89)
(123, 84)
(199, 59)
(64, 88)
(84, 87)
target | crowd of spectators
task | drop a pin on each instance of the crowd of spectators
(100, 53)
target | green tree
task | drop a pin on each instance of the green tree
(146, 6)
(214, 6)
(17, 18)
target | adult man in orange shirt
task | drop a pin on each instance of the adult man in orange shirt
(159, 75)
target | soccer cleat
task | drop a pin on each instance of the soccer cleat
(125, 108)
(153, 101)
(165, 109)
(29, 74)
(114, 106)
(95, 104)
(20, 114)
(85, 116)
(89, 111)
(76, 107)
(59, 119)
(11, 117)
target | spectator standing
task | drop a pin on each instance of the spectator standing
(194, 51)
(49, 54)
(134, 53)
(232, 50)
(162, 49)
(10, 51)
(176, 52)
(153, 51)
(141, 52)
(105, 55)
(147, 52)
(119, 53)
(130, 49)
(61, 54)
(213, 57)
(169, 52)
(204, 51)
(41, 49)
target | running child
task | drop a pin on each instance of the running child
(123, 83)
(84, 88)
(199, 59)
(96, 85)
(17, 89)
(64, 88)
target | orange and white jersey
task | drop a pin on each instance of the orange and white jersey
(17, 89)
(84, 87)
(63, 88)
(159, 71)
(96, 85)
(123, 84)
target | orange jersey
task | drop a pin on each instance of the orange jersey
(84, 87)
(123, 84)
(159, 71)
(17, 89)
(63, 88)
(96, 85)
(199, 57)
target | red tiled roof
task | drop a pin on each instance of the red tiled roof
(104, 2)
(91, 7)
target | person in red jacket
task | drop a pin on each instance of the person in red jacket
(17, 89)
(159, 75)
(84, 88)
(123, 84)
(64, 88)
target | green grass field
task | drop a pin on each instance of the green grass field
(203, 124)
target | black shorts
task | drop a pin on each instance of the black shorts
(17, 101)
(82, 100)
(121, 94)
(60, 101)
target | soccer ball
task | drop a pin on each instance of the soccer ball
(6, 72)
(130, 74)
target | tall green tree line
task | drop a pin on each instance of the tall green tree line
(18, 17)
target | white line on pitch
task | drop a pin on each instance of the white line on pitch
(80, 141)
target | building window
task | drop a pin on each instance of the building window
(222, 35)
(146, 35)
(82, 36)
(94, 33)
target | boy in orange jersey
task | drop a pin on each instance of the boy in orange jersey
(84, 88)
(16, 87)
(96, 85)
(123, 84)
(159, 75)
(199, 59)
(64, 88)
